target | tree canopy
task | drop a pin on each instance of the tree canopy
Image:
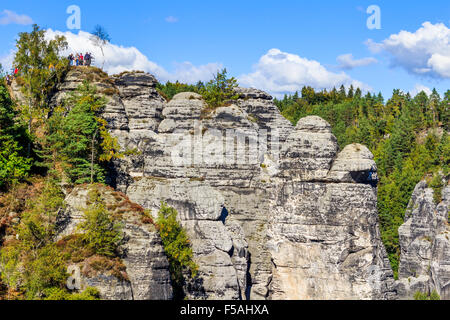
(408, 137)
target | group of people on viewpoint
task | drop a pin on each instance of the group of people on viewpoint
(10, 77)
(80, 60)
(74, 60)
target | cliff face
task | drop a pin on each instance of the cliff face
(144, 268)
(425, 244)
(272, 211)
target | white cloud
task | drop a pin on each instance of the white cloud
(425, 52)
(347, 61)
(119, 58)
(172, 19)
(10, 17)
(419, 88)
(7, 60)
(187, 72)
(279, 72)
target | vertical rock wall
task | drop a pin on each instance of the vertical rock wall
(425, 244)
(286, 218)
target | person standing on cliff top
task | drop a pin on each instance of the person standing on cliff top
(71, 59)
(87, 59)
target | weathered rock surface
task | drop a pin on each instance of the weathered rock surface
(220, 249)
(354, 164)
(324, 237)
(425, 244)
(147, 269)
(273, 211)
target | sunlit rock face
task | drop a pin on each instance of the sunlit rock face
(145, 272)
(425, 244)
(273, 211)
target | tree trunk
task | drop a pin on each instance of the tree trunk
(93, 155)
(30, 121)
(103, 54)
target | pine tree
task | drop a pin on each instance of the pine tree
(220, 90)
(342, 93)
(351, 92)
(80, 142)
(14, 164)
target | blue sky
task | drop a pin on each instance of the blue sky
(309, 37)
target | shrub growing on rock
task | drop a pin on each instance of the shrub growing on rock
(177, 247)
(220, 90)
(423, 296)
(100, 232)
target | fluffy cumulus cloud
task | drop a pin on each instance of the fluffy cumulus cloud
(348, 62)
(119, 58)
(10, 17)
(425, 52)
(419, 88)
(279, 72)
(7, 60)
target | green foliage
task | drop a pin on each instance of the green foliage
(37, 227)
(437, 185)
(57, 294)
(33, 263)
(99, 230)
(220, 91)
(400, 133)
(14, 165)
(46, 270)
(79, 142)
(170, 89)
(33, 58)
(423, 296)
(217, 93)
(177, 247)
(33, 272)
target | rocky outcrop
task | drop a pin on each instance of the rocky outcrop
(324, 237)
(219, 248)
(425, 244)
(272, 211)
(145, 274)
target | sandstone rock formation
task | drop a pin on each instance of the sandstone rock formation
(273, 211)
(146, 267)
(425, 245)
